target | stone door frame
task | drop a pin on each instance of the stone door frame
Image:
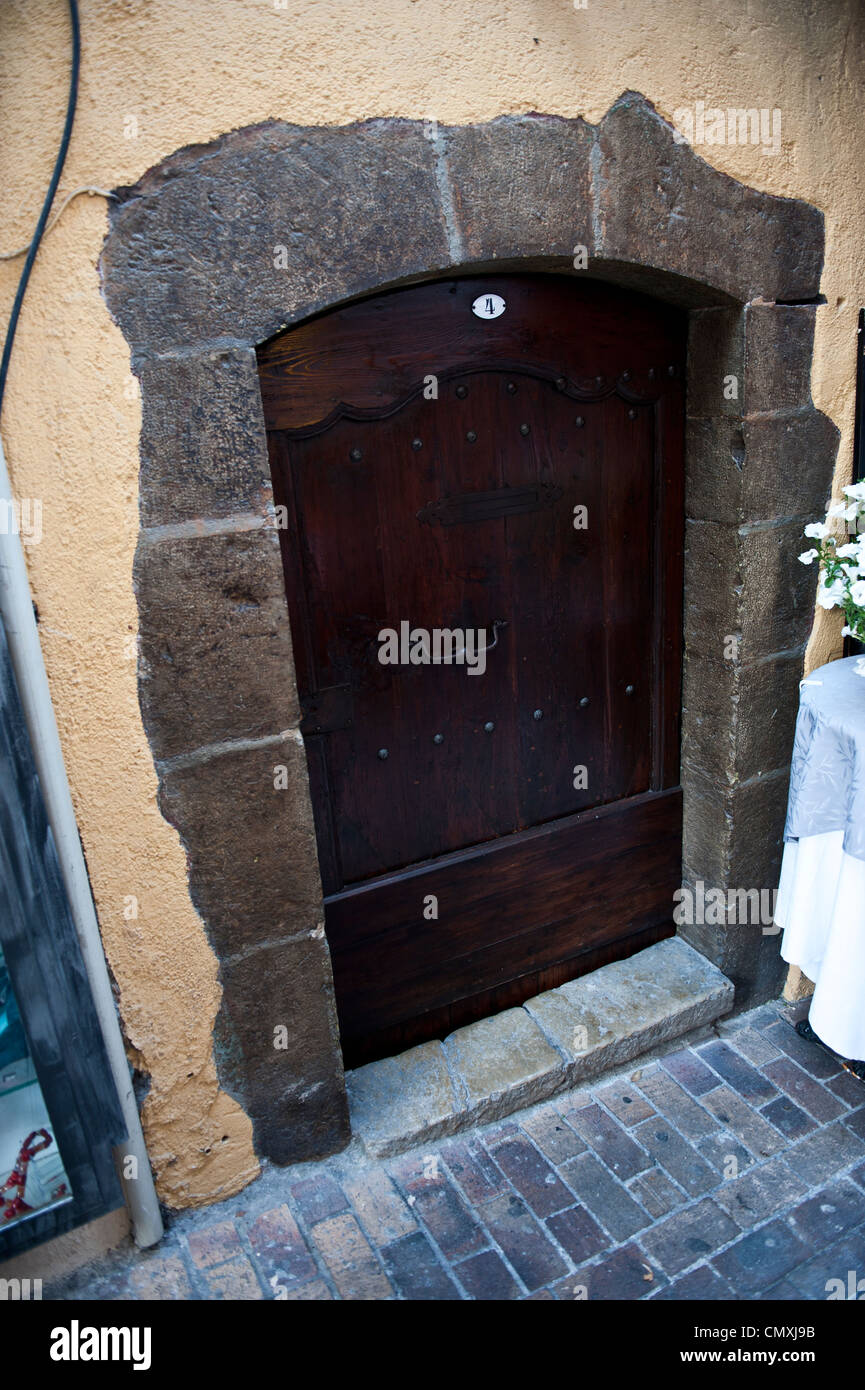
(220, 247)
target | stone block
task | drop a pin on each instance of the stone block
(747, 580)
(521, 187)
(714, 465)
(661, 205)
(277, 1049)
(504, 1062)
(779, 341)
(670, 987)
(789, 462)
(777, 600)
(245, 226)
(716, 352)
(253, 867)
(203, 447)
(713, 586)
(489, 1069)
(705, 834)
(759, 810)
(734, 468)
(755, 703)
(215, 647)
(404, 1100)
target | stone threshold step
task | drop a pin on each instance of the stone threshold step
(522, 1056)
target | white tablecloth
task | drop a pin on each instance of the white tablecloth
(821, 907)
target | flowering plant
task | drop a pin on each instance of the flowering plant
(842, 567)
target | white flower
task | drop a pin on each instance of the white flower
(857, 592)
(847, 631)
(831, 595)
(837, 509)
(817, 531)
(855, 490)
(808, 556)
(851, 571)
(850, 550)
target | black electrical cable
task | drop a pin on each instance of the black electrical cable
(49, 197)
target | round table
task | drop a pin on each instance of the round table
(821, 895)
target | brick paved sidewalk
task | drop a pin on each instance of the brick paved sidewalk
(731, 1169)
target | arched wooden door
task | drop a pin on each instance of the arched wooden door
(497, 458)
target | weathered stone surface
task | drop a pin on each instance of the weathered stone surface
(758, 809)
(750, 960)
(716, 352)
(267, 225)
(290, 1082)
(203, 447)
(735, 842)
(660, 204)
(253, 868)
(584, 1023)
(710, 689)
(734, 467)
(789, 462)
(215, 646)
(403, 1100)
(779, 342)
(714, 469)
(504, 1062)
(713, 586)
(754, 703)
(777, 602)
(746, 580)
(492, 1068)
(734, 835)
(521, 187)
(632, 1005)
(768, 705)
(705, 831)
(669, 988)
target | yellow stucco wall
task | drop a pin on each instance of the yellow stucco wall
(160, 74)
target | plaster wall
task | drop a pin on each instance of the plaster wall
(161, 74)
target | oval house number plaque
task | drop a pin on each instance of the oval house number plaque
(488, 306)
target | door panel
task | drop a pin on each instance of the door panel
(452, 506)
(389, 965)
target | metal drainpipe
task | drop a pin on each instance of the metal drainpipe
(16, 607)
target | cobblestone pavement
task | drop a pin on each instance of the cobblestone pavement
(733, 1169)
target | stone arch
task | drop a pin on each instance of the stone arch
(220, 247)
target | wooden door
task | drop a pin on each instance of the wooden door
(506, 817)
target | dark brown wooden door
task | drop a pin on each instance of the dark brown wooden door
(517, 482)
